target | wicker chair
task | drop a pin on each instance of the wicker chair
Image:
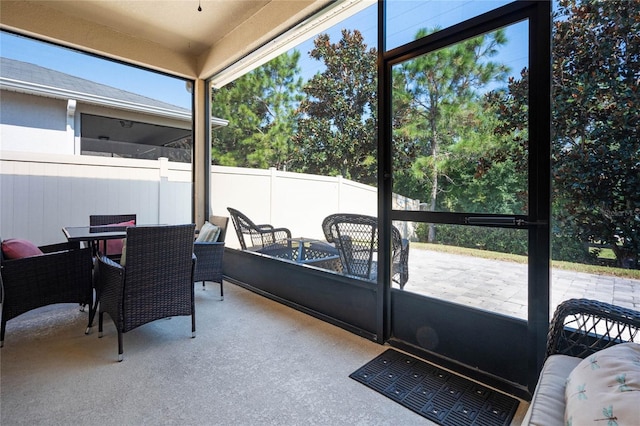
(356, 238)
(103, 219)
(259, 235)
(582, 327)
(61, 275)
(209, 263)
(156, 281)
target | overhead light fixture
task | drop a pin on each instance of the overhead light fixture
(308, 28)
(199, 7)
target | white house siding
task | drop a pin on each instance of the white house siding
(34, 124)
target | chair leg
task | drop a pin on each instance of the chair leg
(193, 324)
(100, 315)
(3, 327)
(120, 356)
(221, 291)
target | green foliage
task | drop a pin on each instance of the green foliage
(261, 109)
(337, 128)
(440, 126)
(596, 117)
(596, 122)
(493, 239)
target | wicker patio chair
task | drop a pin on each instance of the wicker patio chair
(155, 282)
(61, 275)
(582, 327)
(105, 219)
(259, 235)
(210, 254)
(356, 238)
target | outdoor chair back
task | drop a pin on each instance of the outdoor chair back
(112, 248)
(258, 236)
(105, 219)
(156, 280)
(356, 238)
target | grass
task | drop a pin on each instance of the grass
(578, 267)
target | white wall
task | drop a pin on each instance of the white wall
(34, 124)
(41, 193)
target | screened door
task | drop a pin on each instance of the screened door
(466, 117)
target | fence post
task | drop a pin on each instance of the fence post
(339, 179)
(272, 187)
(163, 179)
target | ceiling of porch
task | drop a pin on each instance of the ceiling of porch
(170, 36)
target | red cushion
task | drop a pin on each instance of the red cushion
(14, 248)
(114, 247)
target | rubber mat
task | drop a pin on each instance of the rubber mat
(438, 395)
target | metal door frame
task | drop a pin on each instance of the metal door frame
(538, 15)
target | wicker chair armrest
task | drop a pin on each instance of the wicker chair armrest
(281, 233)
(581, 327)
(52, 248)
(57, 260)
(265, 227)
(109, 280)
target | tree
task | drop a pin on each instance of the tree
(596, 122)
(596, 118)
(337, 127)
(443, 91)
(261, 109)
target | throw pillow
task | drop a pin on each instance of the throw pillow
(15, 248)
(208, 234)
(114, 247)
(605, 388)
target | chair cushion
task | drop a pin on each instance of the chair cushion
(114, 247)
(15, 248)
(208, 234)
(547, 405)
(605, 387)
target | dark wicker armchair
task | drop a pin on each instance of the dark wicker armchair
(259, 235)
(105, 219)
(209, 263)
(156, 281)
(356, 238)
(581, 327)
(61, 275)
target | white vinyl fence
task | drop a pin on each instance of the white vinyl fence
(41, 193)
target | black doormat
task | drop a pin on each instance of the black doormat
(440, 396)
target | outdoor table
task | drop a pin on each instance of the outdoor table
(306, 251)
(91, 234)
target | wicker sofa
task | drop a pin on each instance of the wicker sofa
(579, 329)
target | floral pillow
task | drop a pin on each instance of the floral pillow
(605, 388)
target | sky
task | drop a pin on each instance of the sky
(405, 18)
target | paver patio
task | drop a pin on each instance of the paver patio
(501, 286)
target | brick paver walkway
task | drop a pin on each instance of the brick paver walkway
(500, 286)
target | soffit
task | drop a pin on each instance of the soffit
(171, 36)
